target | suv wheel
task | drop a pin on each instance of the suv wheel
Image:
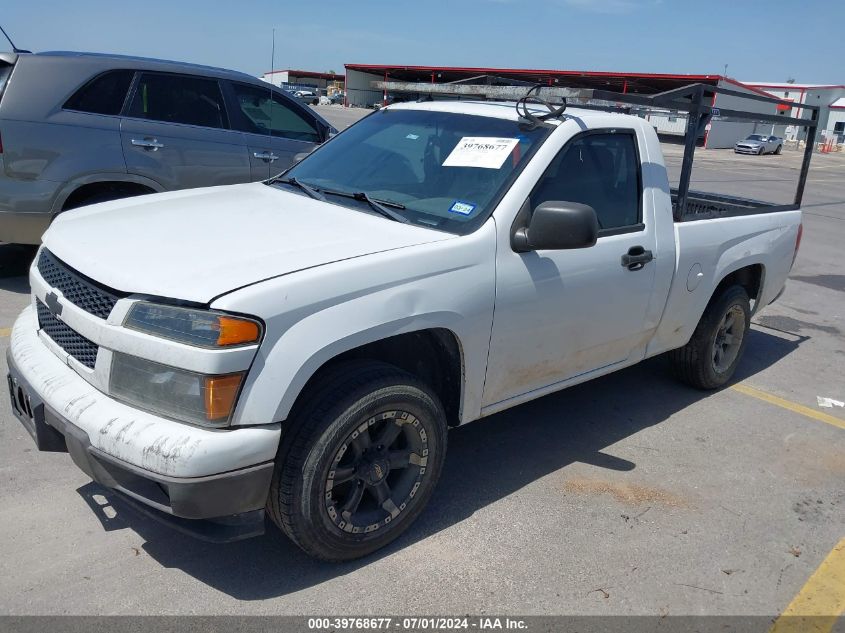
(106, 195)
(358, 462)
(710, 358)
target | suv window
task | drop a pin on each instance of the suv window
(179, 99)
(601, 170)
(265, 112)
(104, 94)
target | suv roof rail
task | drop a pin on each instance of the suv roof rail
(144, 60)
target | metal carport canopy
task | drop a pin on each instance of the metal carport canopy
(641, 83)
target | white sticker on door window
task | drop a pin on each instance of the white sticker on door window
(487, 152)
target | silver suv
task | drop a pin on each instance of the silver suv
(80, 128)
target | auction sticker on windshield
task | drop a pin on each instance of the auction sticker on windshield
(481, 151)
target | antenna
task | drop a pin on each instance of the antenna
(15, 49)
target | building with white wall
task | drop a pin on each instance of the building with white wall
(836, 119)
(304, 78)
(829, 98)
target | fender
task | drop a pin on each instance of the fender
(768, 248)
(766, 240)
(314, 315)
(354, 340)
(72, 185)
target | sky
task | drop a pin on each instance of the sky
(759, 40)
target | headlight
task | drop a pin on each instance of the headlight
(174, 393)
(201, 328)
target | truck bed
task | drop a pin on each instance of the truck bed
(703, 205)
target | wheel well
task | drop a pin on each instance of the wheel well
(85, 192)
(433, 356)
(749, 277)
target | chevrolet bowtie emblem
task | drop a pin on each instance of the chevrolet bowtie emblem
(53, 305)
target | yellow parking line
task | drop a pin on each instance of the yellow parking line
(5, 331)
(791, 406)
(821, 600)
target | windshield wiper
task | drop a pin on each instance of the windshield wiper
(311, 191)
(382, 207)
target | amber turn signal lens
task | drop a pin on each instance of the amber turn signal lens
(220, 395)
(237, 331)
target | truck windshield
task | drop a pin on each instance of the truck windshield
(437, 169)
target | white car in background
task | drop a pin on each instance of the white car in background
(759, 144)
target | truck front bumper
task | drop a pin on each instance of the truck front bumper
(221, 506)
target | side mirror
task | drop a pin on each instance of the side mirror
(325, 132)
(557, 226)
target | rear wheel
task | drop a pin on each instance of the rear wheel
(104, 193)
(710, 358)
(103, 196)
(360, 460)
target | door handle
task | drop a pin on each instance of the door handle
(147, 143)
(266, 156)
(636, 258)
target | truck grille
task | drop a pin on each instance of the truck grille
(89, 296)
(67, 338)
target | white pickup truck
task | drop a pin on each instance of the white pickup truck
(303, 345)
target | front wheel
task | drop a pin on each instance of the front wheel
(710, 358)
(360, 460)
(779, 149)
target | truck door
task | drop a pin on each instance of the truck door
(176, 132)
(561, 314)
(275, 128)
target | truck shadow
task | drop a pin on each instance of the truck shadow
(14, 265)
(486, 462)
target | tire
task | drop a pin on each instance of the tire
(330, 456)
(103, 196)
(698, 363)
(778, 150)
(762, 151)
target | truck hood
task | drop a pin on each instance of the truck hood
(196, 245)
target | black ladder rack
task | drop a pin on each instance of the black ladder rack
(696, 100)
